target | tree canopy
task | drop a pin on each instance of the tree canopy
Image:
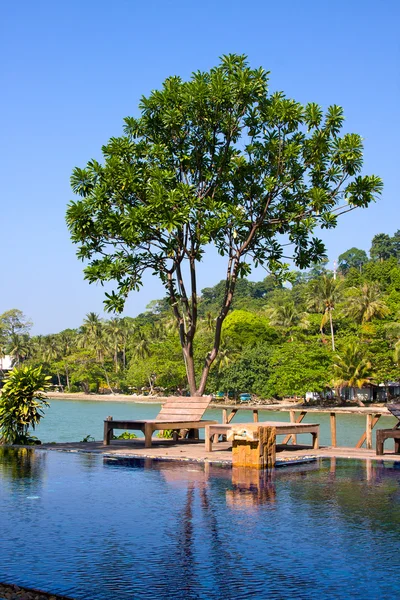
(214, 160)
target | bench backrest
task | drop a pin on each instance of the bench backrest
(184, 408)
(395, 410)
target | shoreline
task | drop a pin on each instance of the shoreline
(279, 406)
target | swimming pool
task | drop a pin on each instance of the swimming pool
(99, 528)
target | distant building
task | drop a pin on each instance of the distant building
(6, 363)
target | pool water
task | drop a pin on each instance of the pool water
(95, 528)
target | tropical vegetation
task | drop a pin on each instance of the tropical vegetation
(276, 340)
(22, 404)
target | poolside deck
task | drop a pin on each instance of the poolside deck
(194, 451)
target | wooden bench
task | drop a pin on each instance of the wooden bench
(180, 412)
(386, 434)
(282, 428)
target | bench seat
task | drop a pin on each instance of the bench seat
(282, 428)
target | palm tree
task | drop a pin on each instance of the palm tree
(68, 341)
(322, 297)
(141, 348)
(19, 347)
(115, 330)
(52, 352)
(223, 359)
(285, 316)
(94, 336)
(366, 303)
(351, 368)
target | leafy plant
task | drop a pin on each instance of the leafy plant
(166, 434)
(125, 436)
(88, 438)
(22, 404)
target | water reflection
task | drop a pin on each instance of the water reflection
(129, 529)
(251, 487)
(22, 463)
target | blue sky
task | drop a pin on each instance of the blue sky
(70, 71)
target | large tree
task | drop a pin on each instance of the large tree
(353, 258)
(382, 247)
(214, 160)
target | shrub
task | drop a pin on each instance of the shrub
(22, 404)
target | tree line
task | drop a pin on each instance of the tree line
(325, 330)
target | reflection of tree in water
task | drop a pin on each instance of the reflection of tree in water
(199, 533)
(22, 464)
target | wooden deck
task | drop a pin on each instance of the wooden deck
(194, 451)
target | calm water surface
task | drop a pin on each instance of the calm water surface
(72, 420)
(98, 529)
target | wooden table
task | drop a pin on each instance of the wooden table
(387, 434)
(212, 432)
(372, 417)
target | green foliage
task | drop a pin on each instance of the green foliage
(166, 434)
(125, 436)
(22, 404)
(382, 247)
(247, 329)
(296, 368)
(351, 367)
(271, 342)
(352, 259)
(88, 438)
(248, 373)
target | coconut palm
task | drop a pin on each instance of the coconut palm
(52, 352)
(322, 297)
(365, 303)
(141, 346)
(116, 332)
(223, 359)
(285, 316)
(94, 337)
(68, 341)
(351, 368)
(19, 347)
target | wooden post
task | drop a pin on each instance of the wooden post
(369, 432)
(224, 416)
(107, 431)
(148, 432)
(363, 438)
(255, 415)
(298, 420)
(293, 420)
(333, 429)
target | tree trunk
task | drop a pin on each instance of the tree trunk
(107, 379)
(151, 385)
(66, 375)
(190, 371)
(59, 381)
(332, 335)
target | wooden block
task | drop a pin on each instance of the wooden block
(245, 431)
(259, 453)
